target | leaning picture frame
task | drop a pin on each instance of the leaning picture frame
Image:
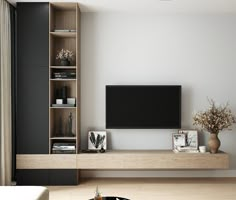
(191, 138)
(178, 140)
(97, 140)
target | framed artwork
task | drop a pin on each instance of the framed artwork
(191, 138)
(97, 140)
(179, 140)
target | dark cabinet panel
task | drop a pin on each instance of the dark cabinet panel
(32, 78)
(47, 177)
(32, 177)
(32, 117)
(32, 111)
(32, 34)
(63, 177)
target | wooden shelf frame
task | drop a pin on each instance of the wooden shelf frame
(64, 16)
(63, 67)
(63, 138)
(63, 79)
(63, 107)
(63, 34)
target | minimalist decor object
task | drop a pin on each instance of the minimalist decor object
(98, 195)
(60, 132)
(61, 94)
(71, 101)
(186, 141)
(65, 56)
(192, 138)
(179, 140)
(59, 101)
(214, 119)
(97, 140)
(64, 94)
(70, 133)
(202, 149)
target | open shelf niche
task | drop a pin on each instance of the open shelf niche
(64, 120)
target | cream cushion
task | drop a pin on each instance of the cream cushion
(24, 193)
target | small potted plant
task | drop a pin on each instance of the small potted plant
(65, 56)
(214, 120)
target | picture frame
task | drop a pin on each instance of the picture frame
(179, 140)
(191, 138)
(97, 140)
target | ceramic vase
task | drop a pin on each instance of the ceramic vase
(214, 143)
(65, 62)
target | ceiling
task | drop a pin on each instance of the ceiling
(153, 6)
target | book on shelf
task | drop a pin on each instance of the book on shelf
(63, 147)
(64, 75)
(63, 105)
(63, 152)
(63, 144)
(64, 30)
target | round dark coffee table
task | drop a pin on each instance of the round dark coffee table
(112, 198)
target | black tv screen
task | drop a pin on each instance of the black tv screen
(143, 106)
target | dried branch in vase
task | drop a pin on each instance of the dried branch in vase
(215, 118)
(64, 54)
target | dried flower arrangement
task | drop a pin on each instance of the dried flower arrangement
(215, 118)
(64, 54)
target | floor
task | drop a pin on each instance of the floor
(150, 189)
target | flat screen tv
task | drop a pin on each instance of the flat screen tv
(143, 106)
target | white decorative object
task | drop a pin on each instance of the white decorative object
(59, 101)
(191, 138)
(97, 140)
(179, 140)
(70, 100)
(202, 149)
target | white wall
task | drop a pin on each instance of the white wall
(195, 51)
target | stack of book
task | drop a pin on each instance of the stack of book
(64, 30)
(62, 148)
(64, 75)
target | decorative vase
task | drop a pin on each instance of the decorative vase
(214, 143)
(98, 195)
(65, 62)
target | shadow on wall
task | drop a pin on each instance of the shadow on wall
(88, 61)
(187, 105)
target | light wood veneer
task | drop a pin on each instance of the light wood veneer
(45, 161)
(126, 159)
(152, 159)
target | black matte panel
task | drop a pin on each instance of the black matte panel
(32, 111)
(46, 177)
(32, 177)
(63, 177)
(32, 78)
(32, 32)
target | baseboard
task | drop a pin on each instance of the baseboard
(162, 174)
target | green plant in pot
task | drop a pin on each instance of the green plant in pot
(65, 56)
(214, 119)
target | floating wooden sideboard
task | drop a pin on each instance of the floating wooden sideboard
(126, 159)
(44, 161)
